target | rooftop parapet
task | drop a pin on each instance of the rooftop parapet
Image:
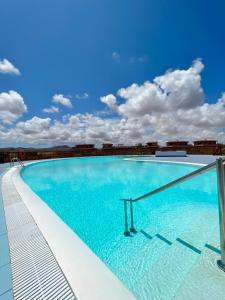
(205, 143)
(85, 146)
(107, 146)
(152, 144)
(177, 143)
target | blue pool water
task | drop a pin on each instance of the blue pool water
(85, 193)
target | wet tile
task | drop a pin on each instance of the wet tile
(7, 295)
(4, 250)
(5, 279)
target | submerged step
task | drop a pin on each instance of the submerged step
(164, 278)
(204, 281)
(143, 261)
(189, 246)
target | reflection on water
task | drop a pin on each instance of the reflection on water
(83, 187)
(132, 178)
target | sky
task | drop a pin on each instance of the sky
(85, 71)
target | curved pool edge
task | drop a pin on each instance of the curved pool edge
(87, 275)
(165, 162)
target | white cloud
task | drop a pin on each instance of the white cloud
(61, 99)
(116, 56)
(34, 126)
(138, 59)
(130, 60)
(171, 106)
(80, 97)
(79, 128)
(12, 107)
(169, 92)
(110, 101)
(6, 67)
(51, 110)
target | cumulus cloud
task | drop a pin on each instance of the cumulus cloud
(6, 67)
(179, 89)
(110, 101)
(79, 128)
(33, 126)
(51, 110)
(61, 99)
(171, 106)
(12, 106)
(83, 96)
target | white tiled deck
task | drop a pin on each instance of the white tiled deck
(35, 271)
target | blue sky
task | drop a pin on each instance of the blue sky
(95, 48)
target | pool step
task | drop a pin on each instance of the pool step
(212, 287)
(149, 248)
(170, 270)
(143, 261)
(146, 249)
(165, 276)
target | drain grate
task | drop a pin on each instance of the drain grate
(35, 271)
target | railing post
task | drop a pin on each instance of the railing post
(126, 232)
(221, 197)
(132, 229)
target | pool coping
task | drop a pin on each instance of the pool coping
(166, 161)
(87, 275)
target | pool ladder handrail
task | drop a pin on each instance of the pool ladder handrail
(16, 159)
(219, 164)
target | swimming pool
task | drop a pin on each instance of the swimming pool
(153, 264)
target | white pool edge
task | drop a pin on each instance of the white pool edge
(87, 275)
(166, 161)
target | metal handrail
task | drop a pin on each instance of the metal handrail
(179, 180)
(174, 182)
(16, 159)
(219, 164)
(157, 190)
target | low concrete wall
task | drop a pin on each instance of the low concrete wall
(38, 154)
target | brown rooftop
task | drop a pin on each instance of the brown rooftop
(85, 146)
(177, 143)
(205, 142)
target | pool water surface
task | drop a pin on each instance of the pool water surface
(85, 193)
